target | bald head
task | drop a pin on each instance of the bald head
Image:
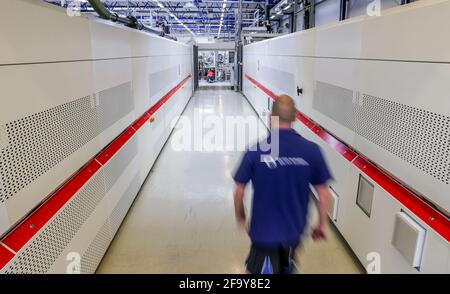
(284, 108)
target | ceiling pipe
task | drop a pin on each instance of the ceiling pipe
(129, 21)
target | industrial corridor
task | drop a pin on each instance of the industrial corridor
(225, 137)
(182, 220)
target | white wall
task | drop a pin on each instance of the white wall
(80, 85)
(363, 102)
(327, 12)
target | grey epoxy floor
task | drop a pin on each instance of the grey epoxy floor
(182, 221)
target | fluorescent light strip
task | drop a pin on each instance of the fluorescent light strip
(174, 16)
(221, 17)
(287, 7)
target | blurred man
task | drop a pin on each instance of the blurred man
(281, 188)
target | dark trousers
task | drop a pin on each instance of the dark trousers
(270, 260)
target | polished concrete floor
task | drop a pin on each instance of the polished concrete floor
(182, 221)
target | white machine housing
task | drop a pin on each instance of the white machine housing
(379, 85)
(70, 86)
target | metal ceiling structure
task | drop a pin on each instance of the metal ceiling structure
(202, 18)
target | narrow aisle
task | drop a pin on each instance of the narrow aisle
(182, 220)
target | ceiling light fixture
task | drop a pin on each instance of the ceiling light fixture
(174, 16)
(224, 5)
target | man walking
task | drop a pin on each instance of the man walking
(281, 188)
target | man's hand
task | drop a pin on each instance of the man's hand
(239, 205)
(324, 200)
(240, 221)
(318, 233)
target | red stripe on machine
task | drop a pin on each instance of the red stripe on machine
(5, 256)
(141, 121)
(23, 233)
(420, 208)
(30, 226)
(115, 146)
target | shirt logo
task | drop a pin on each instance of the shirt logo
(273, 163)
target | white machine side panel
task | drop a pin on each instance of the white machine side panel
(388, 107)
(392, 111)
(63, 102)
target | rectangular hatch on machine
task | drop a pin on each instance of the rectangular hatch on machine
(409, 238)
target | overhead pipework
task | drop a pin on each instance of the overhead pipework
(129, 21)
(282, 7)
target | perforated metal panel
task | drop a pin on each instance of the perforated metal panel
(160, 79)
(335, 102)
(419, 137)
(94, 253)
(46, 247)
(118, 164)
(96, 250)
(38, 142)
(114, 103)
(124, 204)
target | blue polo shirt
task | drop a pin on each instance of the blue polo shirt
(281, 188)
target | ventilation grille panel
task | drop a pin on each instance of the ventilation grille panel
(37, 143)
(417, 136)
(335, 102)
(124, 204)
(96, 250)
(94, 253)
(114, 103)
(420, 137)
(45, 248)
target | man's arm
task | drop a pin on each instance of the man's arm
(323, 205)
(239, 204)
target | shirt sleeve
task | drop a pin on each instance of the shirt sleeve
(320, 173)
(244, 172)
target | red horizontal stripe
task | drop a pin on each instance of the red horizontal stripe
(33, 223)
(168, 96)
(404, 196)
(421, 209)
(5, 256)
(30, 226)
(334, 143)
(115, 146)
(141, 121)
